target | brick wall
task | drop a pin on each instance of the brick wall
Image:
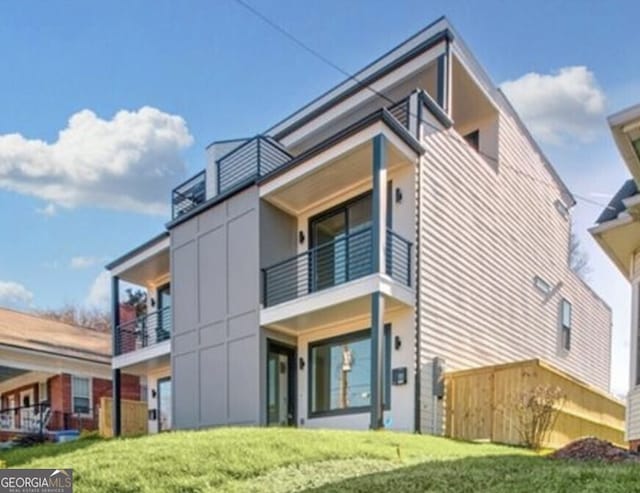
(61, 403)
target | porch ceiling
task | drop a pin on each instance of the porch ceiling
(619, 242)
(7, 373)
(335, 177)
(336, 314)
(148, 270)
(144, 264)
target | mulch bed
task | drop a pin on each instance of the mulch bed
(594, 449)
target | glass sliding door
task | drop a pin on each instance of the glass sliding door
(341, 243)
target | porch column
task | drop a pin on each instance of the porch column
(115, 379)
(379, 239)
(444, 79)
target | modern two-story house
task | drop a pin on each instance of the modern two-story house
(617, 230)
(327, 271)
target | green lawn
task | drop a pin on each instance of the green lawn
(285, 460)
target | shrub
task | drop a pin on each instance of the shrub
(537, 410)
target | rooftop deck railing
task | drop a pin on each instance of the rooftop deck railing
(253, 159)
(144, 331)
(189, 194)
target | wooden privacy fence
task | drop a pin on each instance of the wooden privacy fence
(480, 405)
(133, 417)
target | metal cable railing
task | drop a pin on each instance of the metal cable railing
(144, 331)
(322, 267)
(253, 159)
(398, 258)
(189, 195)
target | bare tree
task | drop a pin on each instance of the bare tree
(92, 318)
(578, 258)
(138, 299)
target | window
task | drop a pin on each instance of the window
(473, 139)
(81, 395)
(541, 285)
(565, 320)
(340, 373)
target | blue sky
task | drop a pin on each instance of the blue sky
(226, 74)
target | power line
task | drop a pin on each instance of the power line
(273, 24)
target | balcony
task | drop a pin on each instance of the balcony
(143, 332)
(332, 264)
(256, 158)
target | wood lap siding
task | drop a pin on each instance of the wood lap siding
(633, 414)
(486, 232)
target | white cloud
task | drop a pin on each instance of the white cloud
(127, 163)
(559, 107)
(15, 295)
(83, 262)
(48, 210)
(100, 291)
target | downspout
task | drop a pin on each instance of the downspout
(417, 276)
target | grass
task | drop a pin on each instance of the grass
(287, 460)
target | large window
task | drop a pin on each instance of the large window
(565, 320)
(81, 395)
(340, 373)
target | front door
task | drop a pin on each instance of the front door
(164, 404)
(281, 405)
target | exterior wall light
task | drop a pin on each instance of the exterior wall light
(398, 196)
(301, 363)
(397, 342)
(301, 237)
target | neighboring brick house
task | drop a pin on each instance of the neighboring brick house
(53, 375)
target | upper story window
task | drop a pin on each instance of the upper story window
(81, 395)
(565, 324)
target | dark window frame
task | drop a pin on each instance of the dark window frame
(386, 373)
(565, 330)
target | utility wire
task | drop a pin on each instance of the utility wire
(301, 44)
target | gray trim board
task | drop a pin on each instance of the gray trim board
(445, 34)
(132, 253)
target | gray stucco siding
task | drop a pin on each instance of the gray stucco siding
(216, 337)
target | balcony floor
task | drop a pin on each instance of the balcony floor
(140, 361)
(337, 304)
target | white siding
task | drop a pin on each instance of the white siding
(487, 230)
(633, 414)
